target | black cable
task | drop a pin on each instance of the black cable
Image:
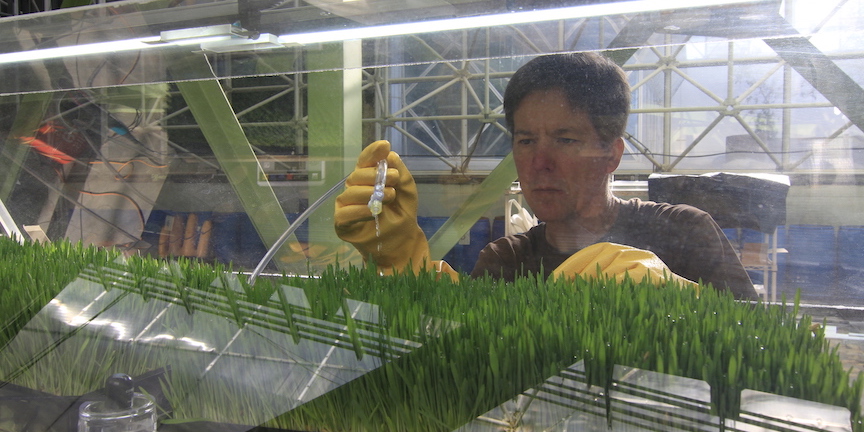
(120, 194)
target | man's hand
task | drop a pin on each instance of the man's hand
(397, 241)
(614, 260)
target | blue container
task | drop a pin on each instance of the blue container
(497, 228)
(252, 249)
(732, 235)
(850, 247)
(225, 240)
(302, 232)
(811, 246)
(153, 228)
(480, 235)
(751, 236)
(430, 225)
(850, 284)
(460, 257)
(810, 263)
(850, 263)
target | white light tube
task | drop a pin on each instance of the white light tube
(511, 18)
(78, 50)
(100, 48)
(585, 11)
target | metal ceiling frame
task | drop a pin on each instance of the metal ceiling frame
(478, 84)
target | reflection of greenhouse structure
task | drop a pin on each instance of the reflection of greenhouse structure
(741, 92)
(757, 85)
(736, 97)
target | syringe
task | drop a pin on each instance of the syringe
(375, 202)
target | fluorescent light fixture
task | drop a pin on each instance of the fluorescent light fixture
(196, 33)
(80, 50)
(210, 36)
(511, 18)
(230, 38)
(220, 38)
(263, 41)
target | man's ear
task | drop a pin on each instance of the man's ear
(616, 153)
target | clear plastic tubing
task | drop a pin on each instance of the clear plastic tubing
(293, 227)
(375, 201)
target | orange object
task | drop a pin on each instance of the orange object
(189, 246)
(55, 143)
(46, 150)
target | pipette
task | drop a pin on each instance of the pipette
(375, 201)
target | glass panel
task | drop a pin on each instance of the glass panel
(210, 352)
(177, 147)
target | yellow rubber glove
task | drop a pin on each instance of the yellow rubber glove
(399, 241)
(615, 260)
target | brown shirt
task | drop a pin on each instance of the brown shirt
(687, 239)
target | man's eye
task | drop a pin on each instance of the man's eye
(525, 141)
(567, 141)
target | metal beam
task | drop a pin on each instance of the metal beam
(823, 74)
(488, 193)
(631, 38)
(212, 111)
(335, 103)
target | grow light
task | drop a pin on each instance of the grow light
(217, 38)
(220, 38)
(496, 20)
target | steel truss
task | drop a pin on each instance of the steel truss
(438, 97)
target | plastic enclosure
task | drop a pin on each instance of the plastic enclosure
(203, 129)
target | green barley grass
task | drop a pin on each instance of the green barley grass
(471, 344)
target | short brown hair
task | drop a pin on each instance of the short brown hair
(590, 82)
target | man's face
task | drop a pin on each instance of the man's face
(563, 166)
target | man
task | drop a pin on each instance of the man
(567, 114)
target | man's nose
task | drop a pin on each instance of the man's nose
(543, 158)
